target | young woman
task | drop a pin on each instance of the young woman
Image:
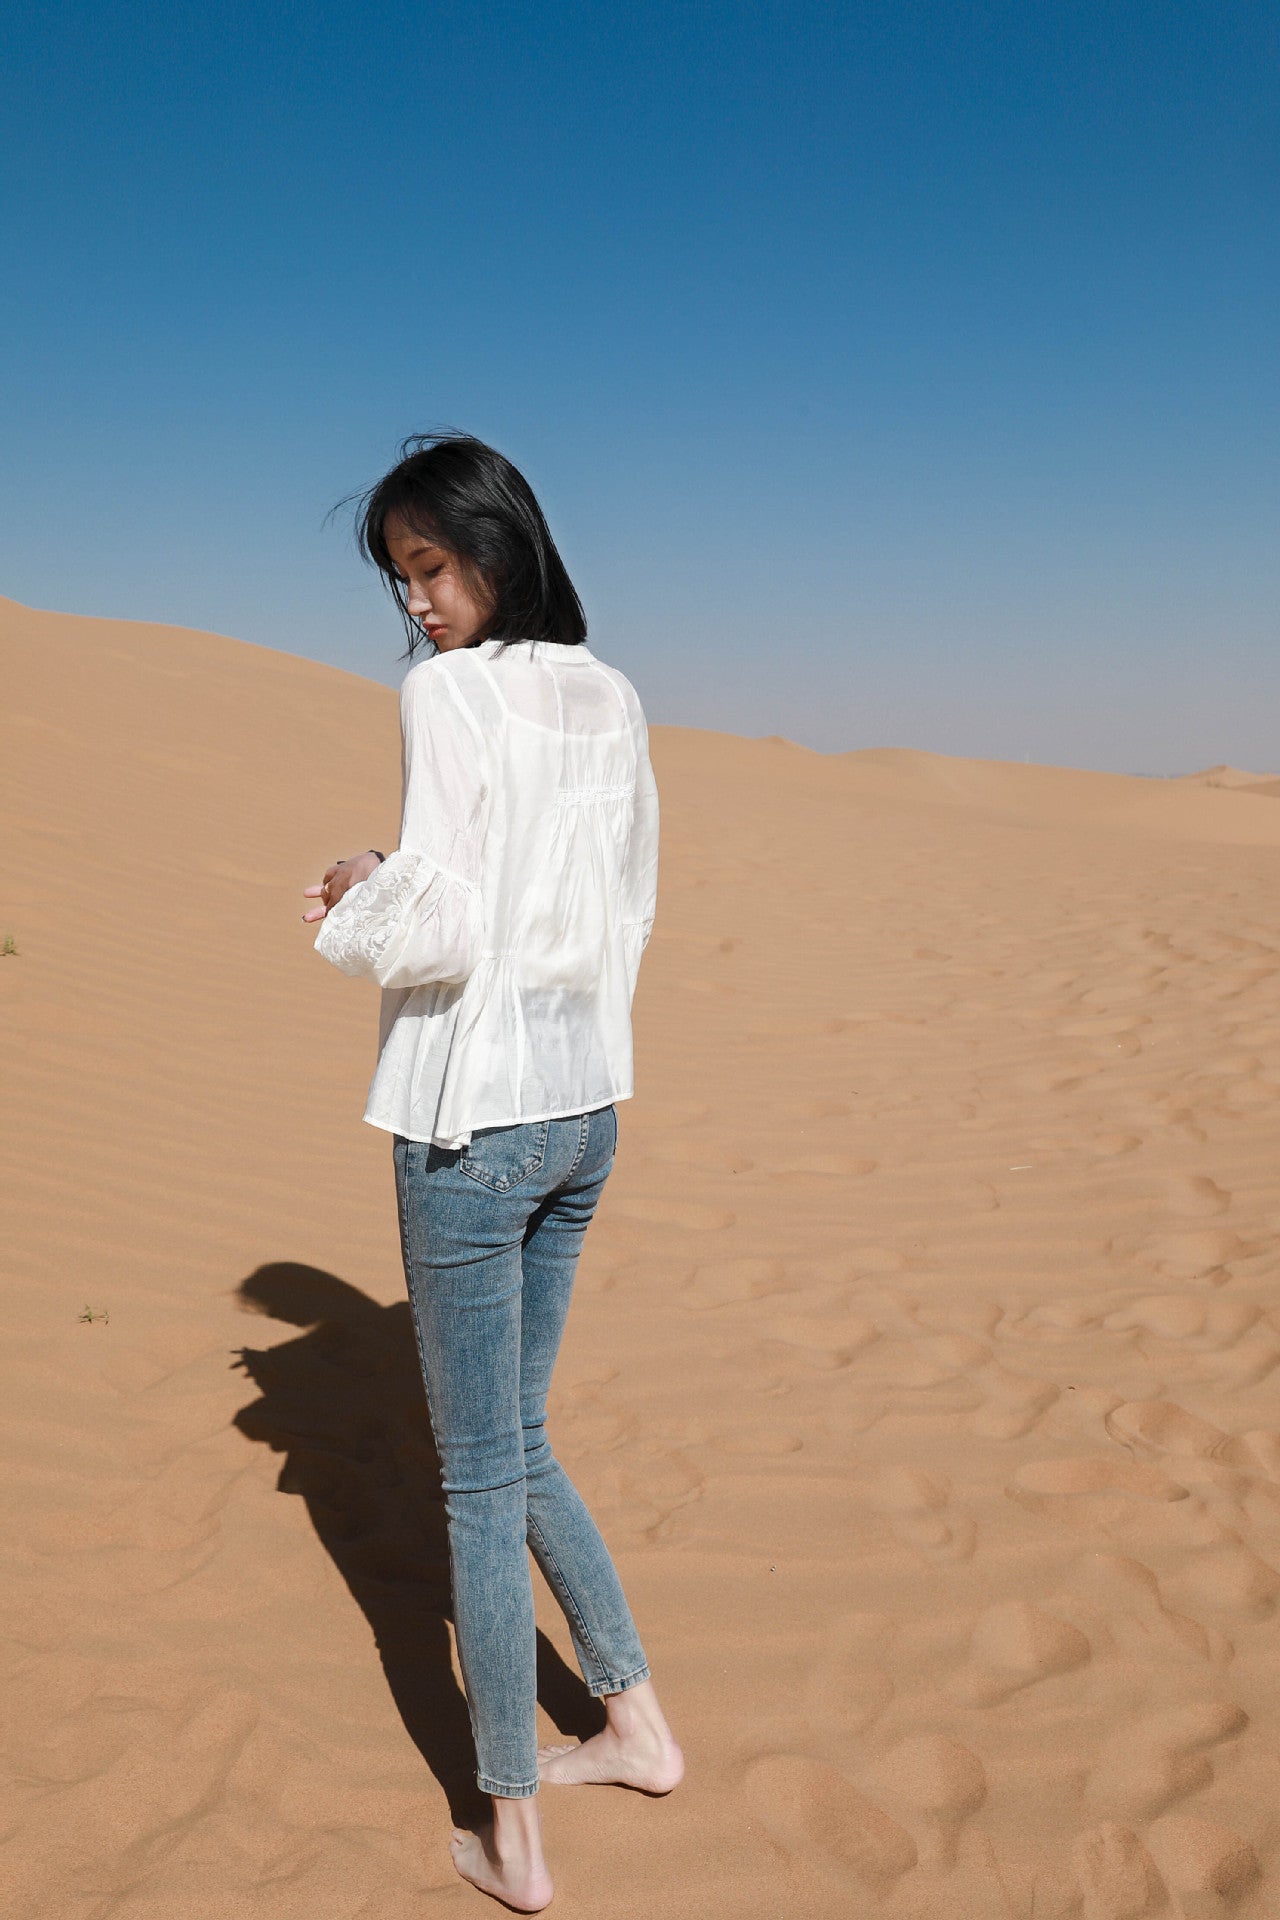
(506, 933)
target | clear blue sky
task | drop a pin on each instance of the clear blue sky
(892, 374)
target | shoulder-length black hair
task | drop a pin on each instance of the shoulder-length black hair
(467, 497)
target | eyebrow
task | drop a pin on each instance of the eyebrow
(425, 546)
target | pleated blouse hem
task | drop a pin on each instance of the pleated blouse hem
(457, 1141)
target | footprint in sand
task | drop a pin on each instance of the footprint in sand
(1015, 1645)
(1196, 1254)
(1260, 1447)
(1244, 1346)
(922, 1360)
(1111, 1145)
(1043, 1483)
(832, 1338)
(1247, 1361)
(1206, 1323)
(1136, 1617)
(727, 1283)
(1227, 1578)
(918, 1506)
(1196, 1194)
(1145, 1767)
(1162, 1427)
(1054, 1318)
(812, 1810)
(935, 1786)
(1012, 1403)
(1116, 1875)
(1208, 1867)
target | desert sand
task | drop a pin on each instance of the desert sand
(923, 1372)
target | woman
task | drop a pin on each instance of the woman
(506, 933)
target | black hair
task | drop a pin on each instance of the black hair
(469, 499)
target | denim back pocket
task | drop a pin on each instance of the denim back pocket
(501, 1157)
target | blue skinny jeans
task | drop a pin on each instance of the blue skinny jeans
(491, 1237)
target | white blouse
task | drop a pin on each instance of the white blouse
(507, 930)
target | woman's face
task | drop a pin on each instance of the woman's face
(447, 605)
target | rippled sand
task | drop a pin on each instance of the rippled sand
(923, 1372)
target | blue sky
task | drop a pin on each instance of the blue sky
(891, 374)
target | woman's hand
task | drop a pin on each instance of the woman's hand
(341, 875)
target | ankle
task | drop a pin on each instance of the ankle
(517, 1824)
(635, 1712)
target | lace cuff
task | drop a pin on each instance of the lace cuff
(408, 925)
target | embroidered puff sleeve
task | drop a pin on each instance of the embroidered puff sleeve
(419, 917)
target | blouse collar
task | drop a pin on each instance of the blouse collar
(561, 649)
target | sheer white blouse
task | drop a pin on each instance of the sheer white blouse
(507, 930)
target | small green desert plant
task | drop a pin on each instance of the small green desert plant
(10, 946)
(89, 1316)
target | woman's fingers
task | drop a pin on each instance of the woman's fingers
(325, 890)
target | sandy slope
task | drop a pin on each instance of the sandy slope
(1234, 777)
(923, 1372)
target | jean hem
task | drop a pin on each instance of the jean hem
(502, 1790)
(599, 1688)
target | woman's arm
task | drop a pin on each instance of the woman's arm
(418, 917)
(640, 873)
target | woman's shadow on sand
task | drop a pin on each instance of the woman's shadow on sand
(344, 1404)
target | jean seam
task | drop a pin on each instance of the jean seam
(620, 1683)
(402, 1208)
(504, 1789)
(584, 1130)
(566, 1596)
(470, 1169)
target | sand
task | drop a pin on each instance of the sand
(922, 1374)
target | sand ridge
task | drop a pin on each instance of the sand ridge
(922, 1372)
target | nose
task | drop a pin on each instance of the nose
(417, 602)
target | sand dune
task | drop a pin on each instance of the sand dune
(1225, 776)
(923, 1372)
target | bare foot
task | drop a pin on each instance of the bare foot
(515, 1874)
(635, 1749)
